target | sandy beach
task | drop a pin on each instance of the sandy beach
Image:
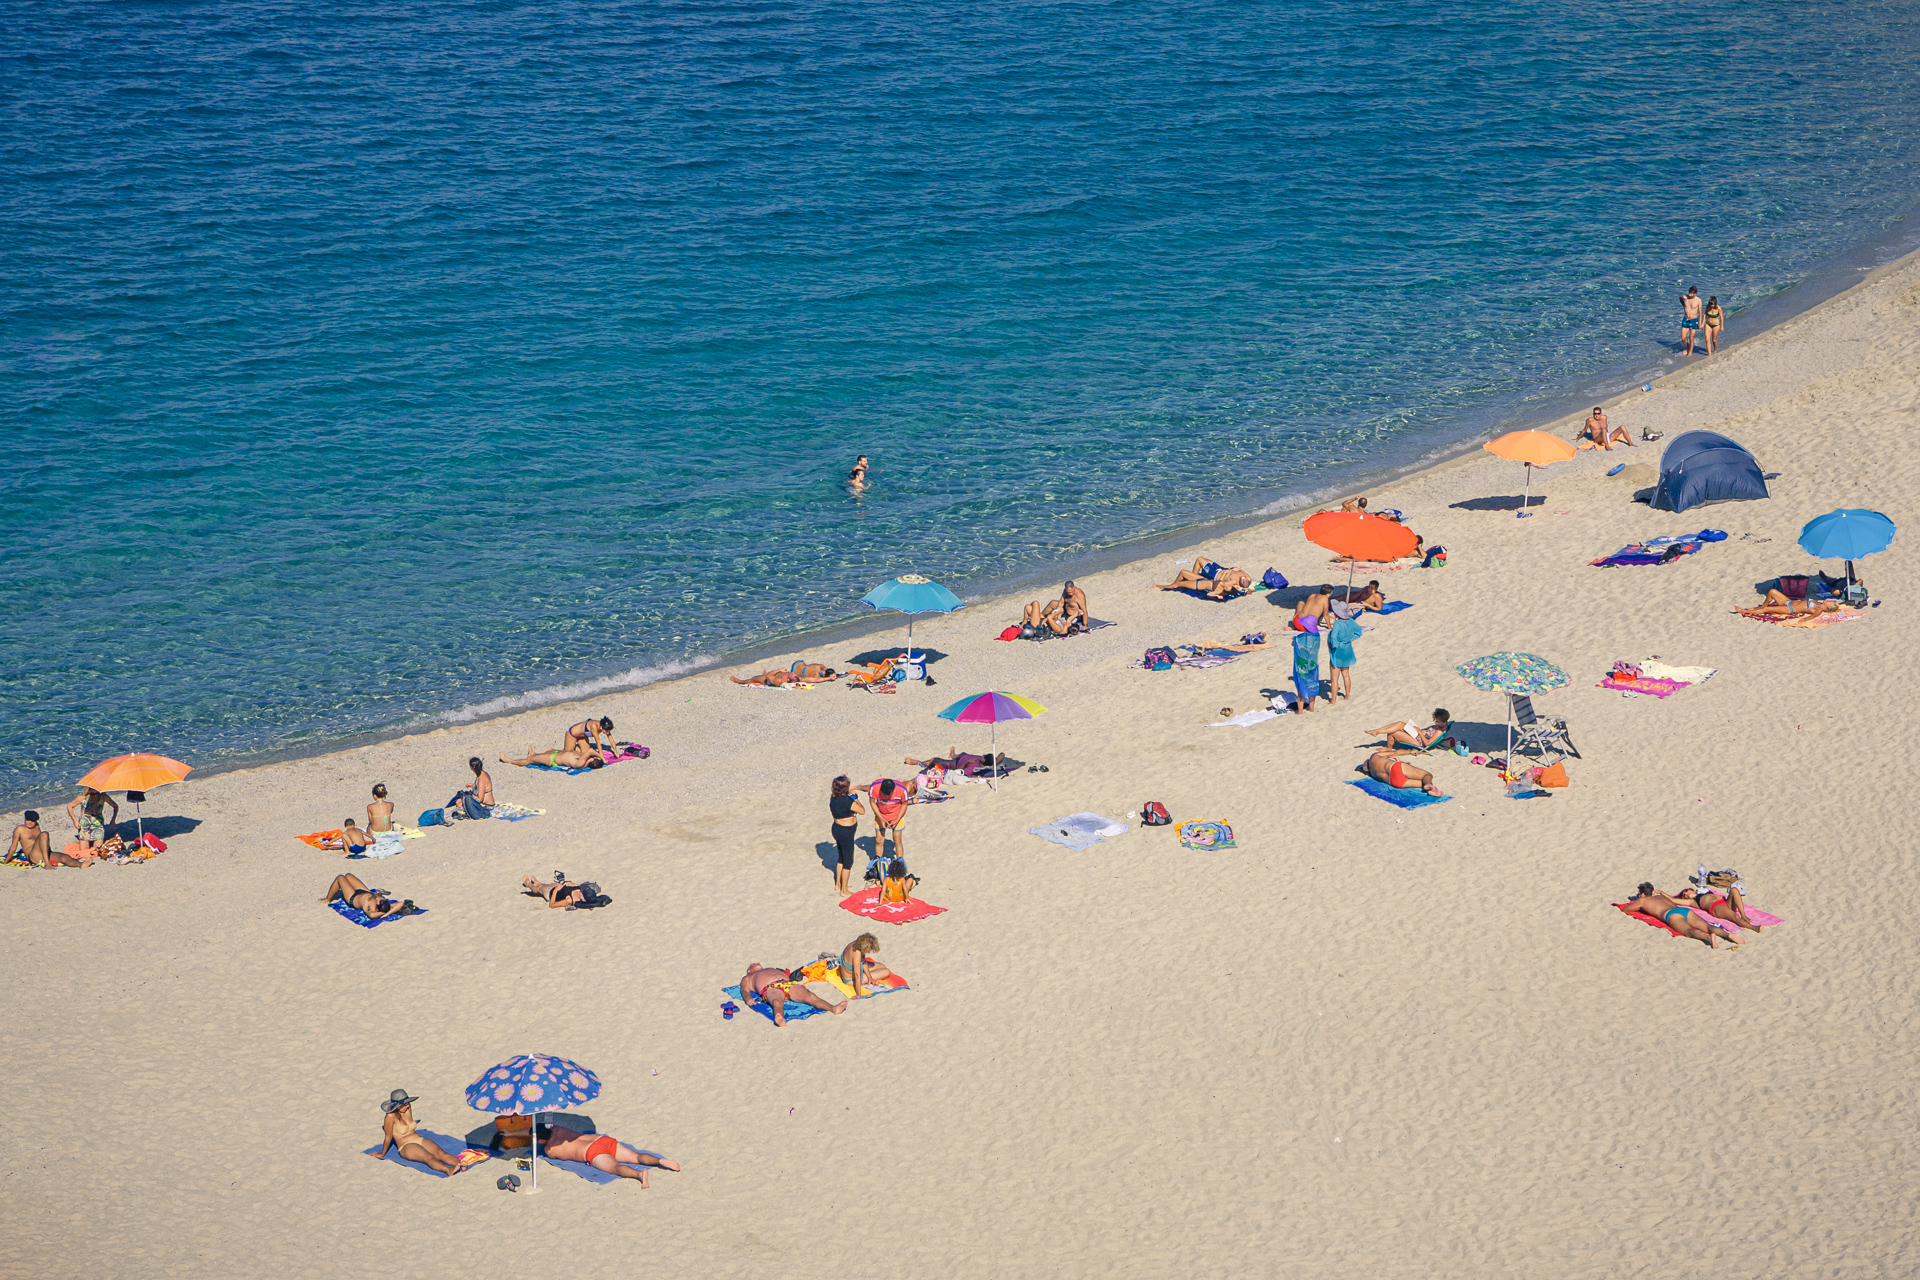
(1366, 1042)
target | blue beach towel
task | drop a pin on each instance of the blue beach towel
(1393, 606)
(1400, 797)
(1198, 594)
(361, 918)
(452, 1146)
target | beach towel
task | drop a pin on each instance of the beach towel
(619, 752)
(587, 1171)
(1393, 606)
(827, 970)
(455, 1147)
(1399, 797)
(1652, 688)
(361, 918)
(385, 845)
(867, 903)
(1804, 619)
(1198, 594)
(796, 1011)
(514, 812)
(1764, 919)
(1246, 719)
(318, 840)
(1079, 831)
(1205, 834)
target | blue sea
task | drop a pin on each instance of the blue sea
(371, 366)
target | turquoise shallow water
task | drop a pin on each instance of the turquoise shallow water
(364, 367)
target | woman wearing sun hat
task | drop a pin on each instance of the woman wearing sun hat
(400, 1132)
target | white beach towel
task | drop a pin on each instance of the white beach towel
(1245, 720)
(1079, 831)
(1685, 675)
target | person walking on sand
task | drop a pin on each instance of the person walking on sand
(1690, 319)
(1713, 319)
(608, 1155)
(774, 987)
(847, 812)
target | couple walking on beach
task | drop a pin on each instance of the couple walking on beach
(1695, 317)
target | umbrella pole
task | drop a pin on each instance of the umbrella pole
(533, 1166)
(993, 747)
(1526, 499)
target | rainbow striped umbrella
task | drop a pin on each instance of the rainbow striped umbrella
(991, 708)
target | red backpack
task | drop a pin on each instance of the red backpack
(1154, 814)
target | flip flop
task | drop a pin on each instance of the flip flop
(508, 1183)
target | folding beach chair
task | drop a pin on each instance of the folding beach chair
(886, 671)
(1543, 735)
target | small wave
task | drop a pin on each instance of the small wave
(633, 678)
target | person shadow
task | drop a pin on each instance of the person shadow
(829, 853)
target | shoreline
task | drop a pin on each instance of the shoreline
(1824, 286)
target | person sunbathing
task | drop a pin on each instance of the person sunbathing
(1729, 908)
(1215, 579)
(374, 904)
(1355, 599)
(1780, 605)
(398, 1130)
(1038, 619)
(605, 1154)
(774, 987)
(31, 842)
(1596, 430)
(798, 673)
(858, 968)
(1405, 735)
(963, 763)
(1387, 767)
(562, 892)
(1677, 916)
(572, 756)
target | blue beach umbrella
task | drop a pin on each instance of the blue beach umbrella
(529, 1084)
(1847, 534)
(911, 594)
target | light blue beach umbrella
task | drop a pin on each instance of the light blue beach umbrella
(528, 1084)
(911, 594)
(1847, 534)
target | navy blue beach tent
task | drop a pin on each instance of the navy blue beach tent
(1704, 466)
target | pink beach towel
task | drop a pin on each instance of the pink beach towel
(1762, 918)
(867, 903)
(1653, 688)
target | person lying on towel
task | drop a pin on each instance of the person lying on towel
(399, 1130)
(1349, 602)
(374, 904)
(965, 764)
(774, 987)
(1780, 605)
(562, 892)
(798, 673)
(1728, 907)
(1208, 576)
(575, 755)
(1677, 916)
(1407, 735)
(1390, 769)
(608, 1155)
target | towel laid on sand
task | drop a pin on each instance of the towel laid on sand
(1827, 619)
(1198, 594)
(1205, 834)
(1764, 919)
(1078, 831)
(867, 903)
(1393, 606)
(796, 1011)
(455, 1147)
(361, 918)
(515, 813)
(1400, 797)
(1246, 719)
(621, 751)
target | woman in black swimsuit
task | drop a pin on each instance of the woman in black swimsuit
(844, 806)
(371, 903)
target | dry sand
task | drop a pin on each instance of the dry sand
(1368, 1042)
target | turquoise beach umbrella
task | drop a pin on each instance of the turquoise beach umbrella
(912, 594)
(1847, 534)
(1522, 673)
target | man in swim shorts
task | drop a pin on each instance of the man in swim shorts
(1690, 320)
(1211, 577)
(774, 987)
(1317, 605)
(1603, 437)
(606, 1154)
(1395, 772)
(1677, 916)
(31, 842)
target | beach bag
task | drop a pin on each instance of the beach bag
(433, 818)
(1158, 660)
(1011, 633)
(1436, 558)
(1275, 579)
(152, 842)
(1793, 587)
(1712, 535)
(1154, 814)
(1554, 775)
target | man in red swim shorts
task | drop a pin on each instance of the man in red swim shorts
(1393, 771)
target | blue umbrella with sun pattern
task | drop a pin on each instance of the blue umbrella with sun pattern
(528, 1084)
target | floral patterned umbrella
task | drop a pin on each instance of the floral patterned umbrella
(1517, 673)
(528, 1084)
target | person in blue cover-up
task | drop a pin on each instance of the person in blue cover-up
(1340, 658)
(1306, 662)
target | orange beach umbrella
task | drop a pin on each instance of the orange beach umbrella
(141, 771)
(1360, 535)
(1533, 448)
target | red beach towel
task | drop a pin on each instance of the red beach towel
(867, 903)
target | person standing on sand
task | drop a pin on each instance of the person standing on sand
(89, 822)
(1714, 319)
(890, 801)
(1306, 662)
(1340, 658)
(846, 810)
(1690, 320)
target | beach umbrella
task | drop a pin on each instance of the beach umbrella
(1534, 449)
(991, 708)
(1521, 673)
(529, 1084)
(912, 594)
(136, 774)
(1360, 535)
(1847, 534)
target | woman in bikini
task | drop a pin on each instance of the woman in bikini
(1711, 901)
(798, 673)
(858, 968)
(1780, 605)
(605, 1154)
(571, 756)
(1402, 736)
(380, 812)
(374, 904)
(399, 1130)
(1715, 320)
(1680, 917)
(561, 892)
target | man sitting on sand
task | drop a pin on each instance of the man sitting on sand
(30, 842)
(1677, 916)
(1355, 600)
(1403, 735)
(774, 987)
(798, 673)
(1215, 579)
(1597, 431)
(1780, 605)
(603, 1153)
(572, 756)
(1387, 767)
